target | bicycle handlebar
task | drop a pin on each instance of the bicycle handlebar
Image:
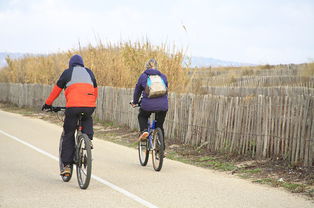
(136, 105)
(56, 109)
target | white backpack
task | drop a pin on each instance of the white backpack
(155, 86)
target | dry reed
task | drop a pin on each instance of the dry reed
(307, 70)
(117, 65)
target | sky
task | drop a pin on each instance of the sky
(246, 31)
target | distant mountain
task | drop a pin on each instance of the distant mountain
(196, 61)
(3, 55)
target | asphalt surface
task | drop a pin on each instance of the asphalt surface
(29, 177)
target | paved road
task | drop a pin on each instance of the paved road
(29, 177)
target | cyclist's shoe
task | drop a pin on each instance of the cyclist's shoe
(66, 171)
(143, 135)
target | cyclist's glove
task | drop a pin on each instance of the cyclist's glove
(45, 106)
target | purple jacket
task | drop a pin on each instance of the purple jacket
(150, 104)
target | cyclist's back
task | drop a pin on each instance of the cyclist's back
(159, 104)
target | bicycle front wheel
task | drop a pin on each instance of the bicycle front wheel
(84, 161)
(158, 149)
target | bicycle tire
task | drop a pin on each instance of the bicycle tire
(158, 149)
(61, 166)
(84, 161)
(143, 152)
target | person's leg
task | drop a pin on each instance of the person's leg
(160, 119)
(143, 121)
(87, 122)
(68, 143)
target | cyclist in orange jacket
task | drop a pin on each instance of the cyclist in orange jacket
(80, 89)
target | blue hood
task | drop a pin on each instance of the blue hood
(76, 60)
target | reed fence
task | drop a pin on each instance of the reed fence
(262, 81)
(253, 91)
(255, 81)
(258, 126)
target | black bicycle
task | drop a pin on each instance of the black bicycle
(83, 154)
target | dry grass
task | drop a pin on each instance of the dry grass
(233, 71)
(307, 70)
(252, 76)
(117, 65)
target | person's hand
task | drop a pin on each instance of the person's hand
(45, 106)
(132, 104)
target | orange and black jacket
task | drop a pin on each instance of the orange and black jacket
(80, 87)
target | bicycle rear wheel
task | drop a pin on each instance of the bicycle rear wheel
(84, 161)
(143, 152)
(61, 166)
(158, 149)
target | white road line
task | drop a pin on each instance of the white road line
(100, 180)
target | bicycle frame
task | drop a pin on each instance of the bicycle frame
(151, 129)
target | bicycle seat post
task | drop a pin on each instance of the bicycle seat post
(79, 123)
(153, 120)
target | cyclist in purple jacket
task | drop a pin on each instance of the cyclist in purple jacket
(159, 105)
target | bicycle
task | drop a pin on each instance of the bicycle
(154, 144)
(82, 156)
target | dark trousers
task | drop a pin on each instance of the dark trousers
(159, 116)
(72, 116)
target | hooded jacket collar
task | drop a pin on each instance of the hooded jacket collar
(76, 60)
(152, 72)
